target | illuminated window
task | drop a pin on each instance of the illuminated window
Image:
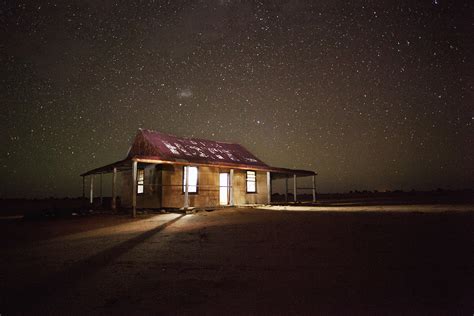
(140, 181)
(251, 182)
(192, 179)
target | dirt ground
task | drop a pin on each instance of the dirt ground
(242, 261)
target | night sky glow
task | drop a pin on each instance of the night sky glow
(371, 95)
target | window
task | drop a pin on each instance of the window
(140, 181)
(251, 182)
(192, 179)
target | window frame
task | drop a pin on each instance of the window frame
(247, 180)
(197, 181)
(140, 182)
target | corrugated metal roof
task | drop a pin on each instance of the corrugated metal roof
(160, 146)
(155, 147)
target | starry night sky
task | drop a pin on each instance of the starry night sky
(371, 95)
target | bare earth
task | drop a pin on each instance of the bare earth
(243, 261)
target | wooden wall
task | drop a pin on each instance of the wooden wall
(208, 187)
(240, 188)
(152, 195)
(163, 188)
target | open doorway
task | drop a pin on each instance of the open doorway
(223, 188)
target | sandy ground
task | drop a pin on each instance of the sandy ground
(243, 261)
(419, 208)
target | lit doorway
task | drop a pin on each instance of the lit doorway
(223, 188)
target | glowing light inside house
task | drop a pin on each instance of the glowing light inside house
(140, 181)
(251, 181)
(192, 179)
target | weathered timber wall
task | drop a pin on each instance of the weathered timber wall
(163, 188)
(240, 188)
(152, 195)
(208, 187)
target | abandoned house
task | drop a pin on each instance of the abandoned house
(165, 171)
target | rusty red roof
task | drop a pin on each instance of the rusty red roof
(156, 145)
(153, 146)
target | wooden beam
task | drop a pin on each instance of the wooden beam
(314, 189)
(83, 202)
(114, 193)
(294, 187)
(231, 187)
(91, 192)
(269, 187)
(186, 187)
(223, 165)
(134, 188)
(83, 187)
(286, 189)
(100, 191)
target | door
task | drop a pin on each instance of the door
(223, 188)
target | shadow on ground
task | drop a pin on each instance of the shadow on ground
(242, 261)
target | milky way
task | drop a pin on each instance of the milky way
(371, 95)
